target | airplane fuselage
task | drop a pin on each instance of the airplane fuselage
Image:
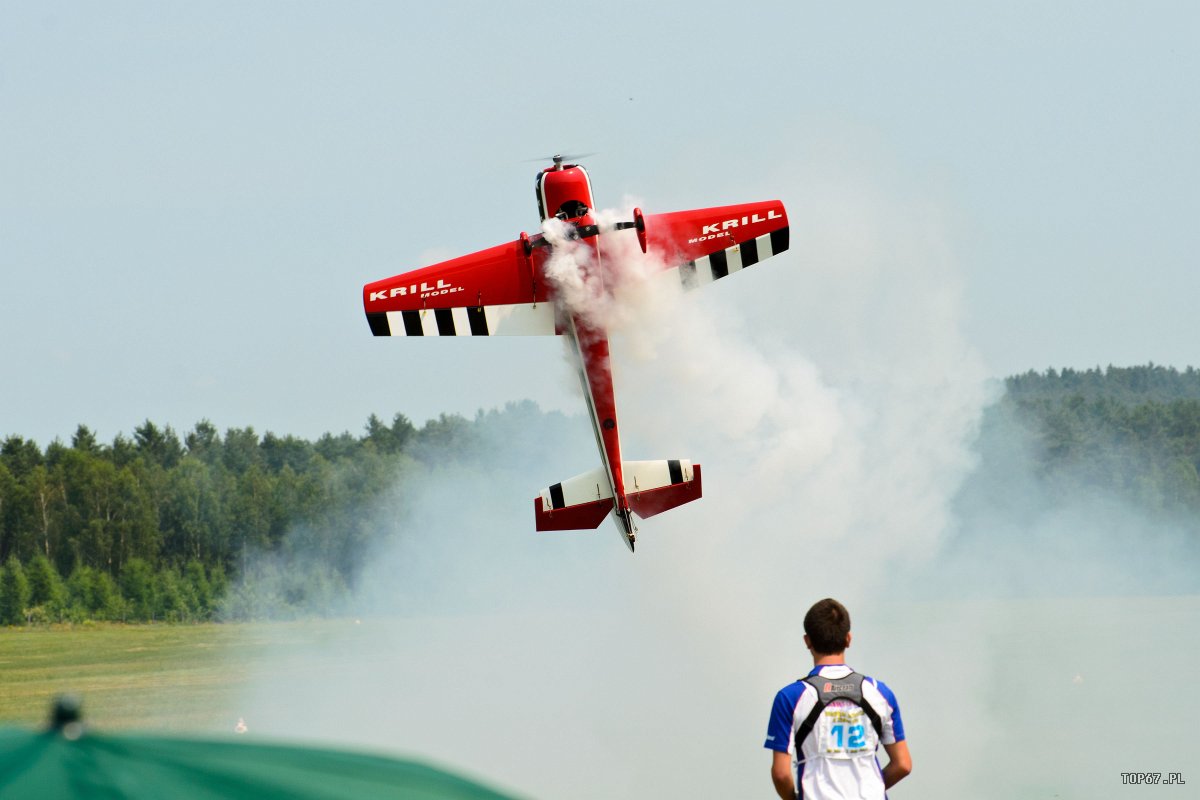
(566, 193)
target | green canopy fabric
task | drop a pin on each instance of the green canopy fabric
(68, 762)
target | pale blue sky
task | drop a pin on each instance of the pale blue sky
(191, 196)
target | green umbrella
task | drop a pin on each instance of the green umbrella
(68, 761)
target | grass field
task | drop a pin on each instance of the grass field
(172, 677)
(977, 678)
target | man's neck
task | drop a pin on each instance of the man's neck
(831, 660)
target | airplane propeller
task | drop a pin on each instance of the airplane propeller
(559, 158)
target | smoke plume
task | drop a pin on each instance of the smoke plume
(833, 400)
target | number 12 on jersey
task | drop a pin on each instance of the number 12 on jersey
(843, 740)
(855, 736)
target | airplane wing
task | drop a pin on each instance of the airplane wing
(500, 291)
(493, 292)
(707, 244)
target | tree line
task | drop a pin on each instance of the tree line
(162, 527)
(155, 526)
(1129, 432)
(1126, 385)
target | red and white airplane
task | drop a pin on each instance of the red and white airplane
(507, 290)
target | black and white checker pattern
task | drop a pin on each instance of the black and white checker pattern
(709, 268)
(523, 319)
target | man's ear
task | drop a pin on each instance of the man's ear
(807, 643)
(849, 636)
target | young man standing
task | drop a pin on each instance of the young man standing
(825, 729)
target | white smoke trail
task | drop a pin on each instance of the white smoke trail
(569, 269)
(832, 397)
(807, 465)
(622, 288)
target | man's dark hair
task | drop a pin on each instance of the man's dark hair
(827, 624)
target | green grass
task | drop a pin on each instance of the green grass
(172, 677)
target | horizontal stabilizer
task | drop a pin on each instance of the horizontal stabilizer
(652, 487)
(580, 503)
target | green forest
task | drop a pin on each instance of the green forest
(1131, 433)
(161, 527)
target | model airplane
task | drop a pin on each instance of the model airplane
(508, 290)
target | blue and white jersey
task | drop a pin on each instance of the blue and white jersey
(837, 759)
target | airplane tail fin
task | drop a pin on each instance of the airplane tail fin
(651, 487)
